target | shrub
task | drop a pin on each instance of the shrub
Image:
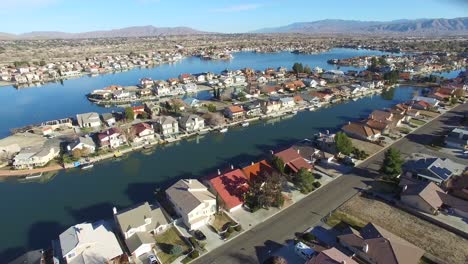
(230, 229)
(193, 241)
(226, 235)
(175, 250)
(238, 228)
(194, 254)
(316, 184)
(317, 176)
(308, 237)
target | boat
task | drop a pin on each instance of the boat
(147, 146)
(118, 154)
(223, 130)
(33, 176)
(245, 124)
(87, 166)
(311, 108)
(293, 112)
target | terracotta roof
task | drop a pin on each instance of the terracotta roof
(331, 256)
(360, 129)
(230, 187)
(140, 127)
(293, 160)
(257, 169)
(235, 109)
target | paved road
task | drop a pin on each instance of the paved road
(255, 245)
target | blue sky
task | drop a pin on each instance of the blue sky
(209, 15)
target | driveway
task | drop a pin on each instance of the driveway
(212, 239)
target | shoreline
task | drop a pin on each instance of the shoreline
(131, 149)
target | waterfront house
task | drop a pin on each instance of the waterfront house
(312, 83)
(193, 202)
(192, 123)
(172, 81)
(293, 161)
(111, 138)
(421, 105)
(373, 244)
(144, 92)
(253, 108)
(387, 118)
(138, 111)
(88, 120)
(287, 102)
(82, 143)
(162, 91)
(190, 88)
(431, 101)
(186, 78)
(144, 132)
(152, 108)
(108, 119)
(361, 131)
(191, 102)
(167, 126)
(122, 95)
(270, 106)
(88, 243)
(138, 224)
(37, 156)
(331, 256)
(457, 138)
(256, 169)
(234, 112)
(326, 142)
(332, 74)
(434, 169)
(230, 187)
(146, 83)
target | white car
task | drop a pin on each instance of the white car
(152, 259)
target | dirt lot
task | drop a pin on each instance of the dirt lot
(369, 148)
(433, 239)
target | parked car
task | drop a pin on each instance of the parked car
(199, 235)
(152, 259)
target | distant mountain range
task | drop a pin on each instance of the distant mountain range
(143, 31)
(435, 26)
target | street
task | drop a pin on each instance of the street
(256, 245)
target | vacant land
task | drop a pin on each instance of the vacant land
(433, 239)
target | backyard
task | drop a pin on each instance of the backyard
(171, 245)
(359, 211)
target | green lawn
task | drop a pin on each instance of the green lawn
(417, 122)
(339, 220)
(167, 239)
(220, 221)
(404, 130)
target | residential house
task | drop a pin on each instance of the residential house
(307, 151)
(234, 112)
(193, 202)
(81, 143)
(423, 196)
(270, 106)
(138, 111)
(146, 83)
(253, 108)
(457, 138)
(90, 243)
(112, 138)
(138, 225)
(373, 244)
(230, 187)
(261, 168)
(37, 156)
(332, 74)
(361, 131)
(287, 102)
(88, 120)
(167, 126)
(192, 123)
(191, 102)
(326, 142)
(162, 90)
(144, 132)
(153, 109)
(431, 101)
(293, 161)
(190, 88)
(433, 169)
(186, 78)
(331, 256)
(108, 119)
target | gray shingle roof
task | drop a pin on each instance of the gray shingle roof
(135, 217)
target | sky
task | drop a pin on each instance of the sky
(227, 16)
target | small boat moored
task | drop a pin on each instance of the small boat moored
(87, 166)
(245, 124)
(223, 130)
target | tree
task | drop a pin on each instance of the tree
(392, 76)
(374, 66)
(392, 163)
(278, 164)
(211, 108)
(298, 68)
(241, 96)
(304, 181)
(129, 114)
(264, 192)
(307, 69)
(343, 143)
(175, 250)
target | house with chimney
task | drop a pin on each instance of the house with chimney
(361, 131)
(193, 202)
(144, 132)
(293, 161)
(230, 187)
(373, 244)
(111, 138)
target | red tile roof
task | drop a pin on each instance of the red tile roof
(257, 169)
(293, 160)
(235, 109)
(230, 187)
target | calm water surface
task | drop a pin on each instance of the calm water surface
(35, 213)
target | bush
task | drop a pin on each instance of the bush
(309, 237)
(226, 235)
(193, 241)
(316, 184)
(194, 254)
(238, 228)
(175, 250)
(317, 176)
(230, 229)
